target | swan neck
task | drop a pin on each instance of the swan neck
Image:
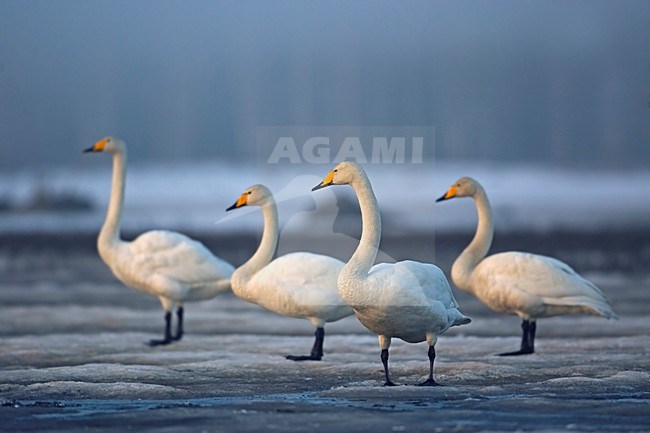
(480, 244)
(269, 243)
(364, 256)
(110, 233)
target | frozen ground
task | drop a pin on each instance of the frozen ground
(73, 358)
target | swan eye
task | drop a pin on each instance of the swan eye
(249, 192)
(335, 171)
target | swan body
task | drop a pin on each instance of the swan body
(533, 286)
(292, 285)
(386, 308)
(165, 264)
(300, 285)
(516, 283)
(168, 265)
(407, 300)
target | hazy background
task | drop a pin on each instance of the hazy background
(546, 103)
(560, 82)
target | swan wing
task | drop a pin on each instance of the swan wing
(303, 271)
(414, 284)
(301, 285)
(415, 281)
(309, 278)
(407, 299)
(176, 257)
(548, 279)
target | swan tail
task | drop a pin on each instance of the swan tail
(582, 304)
(224, 284)
(458, 318)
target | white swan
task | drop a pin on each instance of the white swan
(165, 264)
(407, 300)
(300, 285)
(528, 285)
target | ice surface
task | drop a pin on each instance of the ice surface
(567, 382)
(68, 366)
(73, 358)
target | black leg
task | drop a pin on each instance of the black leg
(168, 331)
(531, 336)
(432, 357)
(527, 339)
(179, 326)
(384, 360)
(316, 350)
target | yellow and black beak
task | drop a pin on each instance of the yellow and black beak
(329, 180)
(451, 193)
(97, 147)
(241, 201)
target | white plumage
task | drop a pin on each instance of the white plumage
(300, 285)
(523, 284)
(533, 286)
(407, 300)
(295, 282)
(168, 265)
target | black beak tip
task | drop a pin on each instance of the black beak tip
(441, 198)
(319, 186)
(232, 207)
(90, 149)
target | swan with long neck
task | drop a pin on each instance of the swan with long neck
(515, 283)
(407, 300)
(168, 265)
(300, 285)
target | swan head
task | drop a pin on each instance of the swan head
(107, 145)
(256, 195)
(463, 187)
(343, 174)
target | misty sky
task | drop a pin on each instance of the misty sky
(563, 82)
